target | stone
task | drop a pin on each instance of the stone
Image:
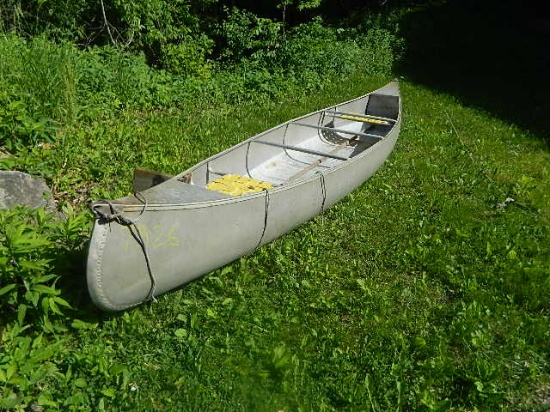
(17, 188)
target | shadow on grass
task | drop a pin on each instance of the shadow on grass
(70, 264)
(493, 55)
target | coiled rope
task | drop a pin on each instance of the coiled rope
(116, 215)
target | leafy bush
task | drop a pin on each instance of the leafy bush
(35, 251)
(188, 57)
(38, 89)
(42, 80)
(18, 128)
(245, 35)
(111, 80)
(29, 252)
(315, 47)
(60, 20)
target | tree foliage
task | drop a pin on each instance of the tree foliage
(159, 28)
(178, 35)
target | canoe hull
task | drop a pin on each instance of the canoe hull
(170, 244)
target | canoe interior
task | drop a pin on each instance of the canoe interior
(301, 148)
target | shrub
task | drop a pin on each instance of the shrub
(245, 35)
(43, 82)
(188, 57)
(30, 252)
(18, 127)
(110, 80)
(334, 52)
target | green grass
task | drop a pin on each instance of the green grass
(416, 292)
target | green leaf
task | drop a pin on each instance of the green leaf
(32, 297)
(61, 301)
(23, 243)
(36, 265)
(3, 376)
(80, 383)
(311, 4)
(117, 368)
(45, 278)
(48, 326)
(227, 301)
(109, 392)
(47, 290)
(180, 333)
(45, 400)
(45, 305)
(9, 400)
(75, 399)
(53, 306)
(80, 324)
(21, 312)
(6, 289)
(11, 371)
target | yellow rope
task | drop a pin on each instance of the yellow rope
(235, 185)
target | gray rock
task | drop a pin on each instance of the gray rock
(17, 188)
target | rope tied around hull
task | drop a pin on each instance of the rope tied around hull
(115, 215)
(323, 190)
(265, 217)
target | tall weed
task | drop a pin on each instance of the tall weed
(42, 74)
(38, 89)
(45, 86)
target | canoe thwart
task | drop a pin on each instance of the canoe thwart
(210, 171)
(336, 130)
(301, 149)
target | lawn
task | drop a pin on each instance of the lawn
(422, 290)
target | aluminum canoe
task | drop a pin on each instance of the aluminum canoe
(169, 234)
